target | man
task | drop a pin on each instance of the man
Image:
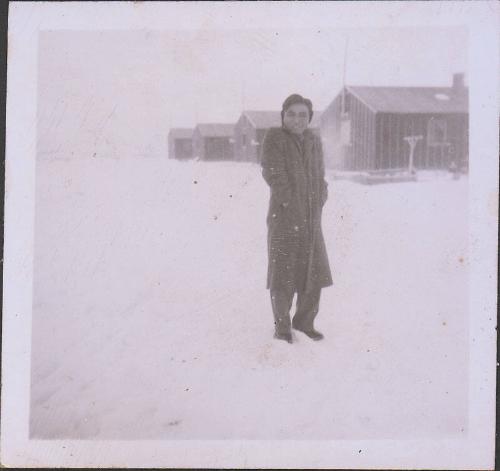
(292, 165)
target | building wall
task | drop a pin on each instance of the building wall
(361, 152)
(198, 145)
(212, 148)
(458, 132)
(218, 148)
(179, 147)
(364, 140)
(183, 149)
(444, 139)
(392, 151)
(349, 138)
(244, 134)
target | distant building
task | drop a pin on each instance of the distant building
(249, 133)
(213, 141)
(180, 143)
(251, 128)
(364, 128)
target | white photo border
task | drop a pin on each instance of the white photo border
(27, 19)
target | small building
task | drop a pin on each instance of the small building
(213, 141)
(251, 128)
(370, 128)
(249, 133)
(180, 143)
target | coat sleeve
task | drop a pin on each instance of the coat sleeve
(323, 182)
(274, 169)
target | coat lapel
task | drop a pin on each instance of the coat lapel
(304, 149)
(295, 141)
(308, 146)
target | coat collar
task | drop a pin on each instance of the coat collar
(306, 141)
(304, 146)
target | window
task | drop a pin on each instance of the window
(436, 131)
(243, 139)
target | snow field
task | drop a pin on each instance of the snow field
(151, 318)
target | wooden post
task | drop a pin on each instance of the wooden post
(412, 141)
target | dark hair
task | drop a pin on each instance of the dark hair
(293, 100)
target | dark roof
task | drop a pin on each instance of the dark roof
(216, 129)
(272, 119)
(413, 99)
(182, 133)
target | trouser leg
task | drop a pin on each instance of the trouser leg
(281, 300)
(307, 308)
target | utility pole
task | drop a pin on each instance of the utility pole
(343, 75)
(242, 95)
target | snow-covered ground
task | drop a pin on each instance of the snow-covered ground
(151, 318)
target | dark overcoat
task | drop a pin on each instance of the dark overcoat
(294, 170)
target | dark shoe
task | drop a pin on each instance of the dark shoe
(287, 337)
(312, 333)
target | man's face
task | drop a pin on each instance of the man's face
(296, 118)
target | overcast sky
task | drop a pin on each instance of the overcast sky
(119, 92)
